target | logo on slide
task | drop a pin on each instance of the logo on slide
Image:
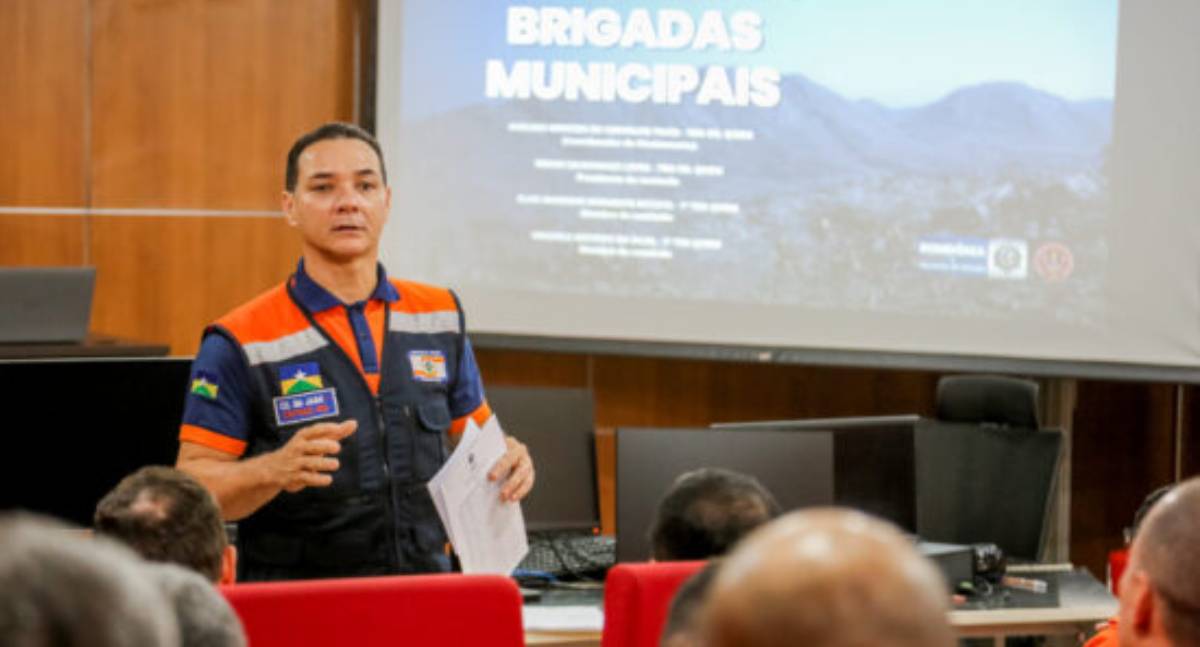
(1054, 261)
(1008, 258)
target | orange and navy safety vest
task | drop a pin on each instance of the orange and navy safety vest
(377, 516)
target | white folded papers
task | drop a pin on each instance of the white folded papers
(488, 534)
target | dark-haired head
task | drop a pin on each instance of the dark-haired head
(332, 130)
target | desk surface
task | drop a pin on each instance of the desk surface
(1082, 602)
(93, 346)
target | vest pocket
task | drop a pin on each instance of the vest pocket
(429, 443)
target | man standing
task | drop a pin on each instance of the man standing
(318, 411)
(1160, 588)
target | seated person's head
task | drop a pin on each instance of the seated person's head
(167, 516)
(60, 588)
(1160, 588)
(682, 628)
(706, 512)
(205, 619)
(827, 578)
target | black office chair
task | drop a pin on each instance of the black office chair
(984, 469)
(988, 400)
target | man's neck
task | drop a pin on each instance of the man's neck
(349, 281)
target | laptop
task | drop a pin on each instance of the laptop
(45, 304)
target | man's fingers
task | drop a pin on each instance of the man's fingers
(316, 479)
(320, 464)
(322, 446)
(519, 483)
(512, 457)
(503, 466)
(334, 430)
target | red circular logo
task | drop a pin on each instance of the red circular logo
(1054, 261)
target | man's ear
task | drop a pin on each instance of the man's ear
(1143, 606)
(228, 565)
(288, 203)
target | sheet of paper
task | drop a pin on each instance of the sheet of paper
(488, 534)
(435, 485)
(563, 618)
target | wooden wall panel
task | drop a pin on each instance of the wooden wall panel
(196, 102)
(194, 107)
(43, 44)
(1122, 448)
(164, 279)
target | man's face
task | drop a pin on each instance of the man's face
(340, 203)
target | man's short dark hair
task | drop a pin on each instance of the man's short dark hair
(166, 516)
(332, 130)
(707, 511)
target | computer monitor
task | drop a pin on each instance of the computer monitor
(797, 468)
(75, 427)
(875, 464)
(557, 425)
(45, 304)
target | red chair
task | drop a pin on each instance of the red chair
(1117, 560)
(637, 598)
(377, 611)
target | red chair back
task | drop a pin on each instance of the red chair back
(1117, 560)
(637, 598)
(376, 611)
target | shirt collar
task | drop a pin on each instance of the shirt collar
(315, 298)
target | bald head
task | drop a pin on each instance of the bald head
(827, 578)
(1160, 591)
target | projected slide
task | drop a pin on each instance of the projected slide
(979, 179)
(914, 157)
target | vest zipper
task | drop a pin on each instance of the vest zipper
(389, 482)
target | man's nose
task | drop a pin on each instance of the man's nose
(348, 199)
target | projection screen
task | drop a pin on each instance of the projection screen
(989, 181)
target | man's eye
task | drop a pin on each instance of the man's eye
(320, 188)
(366, 186)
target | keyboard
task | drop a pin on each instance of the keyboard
(573, 555)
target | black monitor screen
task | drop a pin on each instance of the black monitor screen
(796, 468)
(874, 461)
(77, 426)
(557, 425)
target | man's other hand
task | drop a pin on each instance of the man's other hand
(515, 469)
(309, 457)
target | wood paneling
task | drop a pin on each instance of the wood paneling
(164, 279)
(1122, 449)
(43, 44)
(195, 104)
(42, 240)
(42, 90)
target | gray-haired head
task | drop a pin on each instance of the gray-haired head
(62, 589)
(204, 616)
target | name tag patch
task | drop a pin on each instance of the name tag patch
(428, 365)
(305, 407)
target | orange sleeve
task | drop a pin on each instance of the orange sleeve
(211, 439)
(480, 415)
